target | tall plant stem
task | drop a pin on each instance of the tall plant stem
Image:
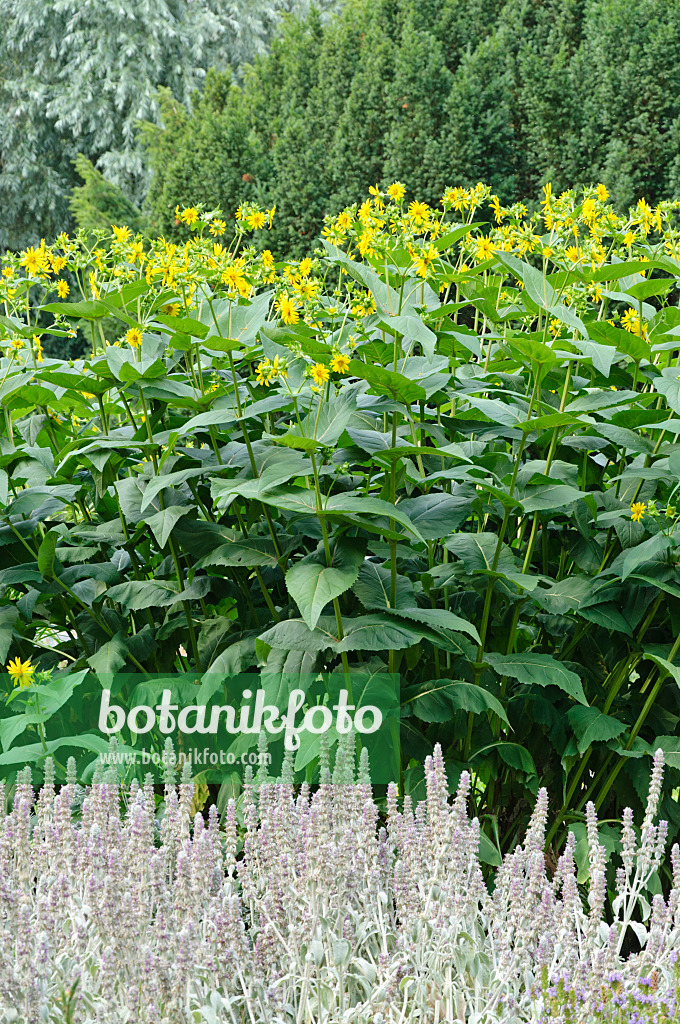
(329, 562)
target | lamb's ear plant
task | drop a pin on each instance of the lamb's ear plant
(322, 913)
(434, 448)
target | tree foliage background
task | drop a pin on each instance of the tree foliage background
(78, 76)
(429, 92)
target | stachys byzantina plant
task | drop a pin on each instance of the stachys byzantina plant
(324, 915)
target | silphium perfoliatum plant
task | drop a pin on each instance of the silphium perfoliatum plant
(440, 446)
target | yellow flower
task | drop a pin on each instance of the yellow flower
(631, 322)
(419, 213)
(339, 363)
(121, 234)
(58, 263)
(547, 252)
(278, 369)
(628, 238)
(305, 267)
(62, 289)
(288, 309)
(344, 220)
(268, 259)
(134, 337)
(602, 193)
(425, 259)
(38, 348)
(235, 280)
(319, 374)
(263, 372)
(256, 220)
(137, 252)
(588, 209)
(396, 191)
(21, 672)
(637, 510)
(484, 248)
(573, 254)
(217, 227)
(189, 216)
(34, 260)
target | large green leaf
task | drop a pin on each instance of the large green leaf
(313, 584)
(538, 669)
(438, 699)
(592, 726)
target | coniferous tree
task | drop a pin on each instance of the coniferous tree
(77, 76)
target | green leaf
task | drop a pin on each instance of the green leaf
(435, 514)
(538, 669)
(183, 324)
(312, 584)
(8, 617)
(111, 656)
(441, 698)
(514, 755)
(488, 853)
(388, 382)
(136, 595)
(163, 522)
(46, 553)
(88, 309)
(373, 588)
(237, 549)
(477, 551)
(592, 726)
(555, 496)
(668, 385)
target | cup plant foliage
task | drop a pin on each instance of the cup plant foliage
(443, 445)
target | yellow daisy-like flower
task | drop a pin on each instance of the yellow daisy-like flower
(288, 310)
(268, 259)
(339, 363)
(134, 337)
(344, 220)
(217, 227)
(189, 216)
(484, 248)
(637, 510)
(419, 213)
(121, 234)
(38, 348)
(21, 672)
(233, 277)
(256, 220)
(34, 260)
(628, 238)
(62, 289)
(602, 193)
(305, 267)
(396, 191)
(58, 263)
(630, 321)
(319, 374)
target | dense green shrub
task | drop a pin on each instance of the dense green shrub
(511, 93)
